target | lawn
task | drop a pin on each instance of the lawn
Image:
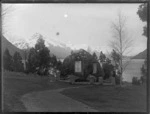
(17, 84)
(110, 98)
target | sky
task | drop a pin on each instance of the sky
(77, 24)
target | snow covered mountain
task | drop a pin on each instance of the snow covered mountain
(21, 44)
(56, 47)
(12, 49)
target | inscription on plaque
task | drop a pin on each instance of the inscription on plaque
(94, 68)
(78, 66)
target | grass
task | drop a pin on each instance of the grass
(102, 98)
(110, 98)
(17, 84)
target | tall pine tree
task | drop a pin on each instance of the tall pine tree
(39, 57)
(17, 62)
(32, 61)
(94, 56)
(102, 57)
(7, 60)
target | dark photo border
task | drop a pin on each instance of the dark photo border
(96, 2)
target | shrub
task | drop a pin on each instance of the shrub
(81, 80)
(108, 68)
(117, 79)
(136, 81)
(81, 55)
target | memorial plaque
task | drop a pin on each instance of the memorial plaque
(94, 68)
(78, 66)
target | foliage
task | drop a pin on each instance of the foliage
(117, 79)
(135, 81)
(59, 65)
(102, 57)
(87, 61)
(17, 62)
(81, 80)
(53, 61)
(108, 69)
(142, 12)
(121, 42)
(94, 56)
(32, 61)
(7, 61)
(144, 71)
(39, 57)
(116, 57)
(12, 63)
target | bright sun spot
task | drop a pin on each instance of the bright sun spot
(65, 15)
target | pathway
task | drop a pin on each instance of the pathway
(53, 101)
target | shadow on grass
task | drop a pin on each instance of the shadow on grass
(111, 98)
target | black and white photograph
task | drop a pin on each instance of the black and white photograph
(74, 57)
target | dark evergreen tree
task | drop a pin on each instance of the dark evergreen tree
(39, 57)
(7, 61)
(102, 57)
(59, 65)
(94, 56)
(116, 57)
(142, 12)
(53, 61)
(17, 62)
(32, 61)
(40, 43)
(68, 66)
(108, 68)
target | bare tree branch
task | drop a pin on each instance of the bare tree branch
(121, 42)
(6, 11)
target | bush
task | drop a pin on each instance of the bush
(108, 68)
(81, 55)
(143, 79)
(136, 81)
(117, 79)
(81, 80)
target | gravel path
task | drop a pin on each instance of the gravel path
(53, 101)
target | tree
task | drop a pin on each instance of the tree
(40, 43)
(94, 56)
(39, 57)
(17, 62)
(59, 65)
(54, 61)
(142, 12)
(7, 60)
(116, 58)
(89, 49)
(108, 68)
(143, 69)
(81, 55)
(32, 61)
(6, 11)
(102, 57)
(121, 42)
(26, 53)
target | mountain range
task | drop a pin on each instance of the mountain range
(58, 48)
(12, 49)
(141, 55)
